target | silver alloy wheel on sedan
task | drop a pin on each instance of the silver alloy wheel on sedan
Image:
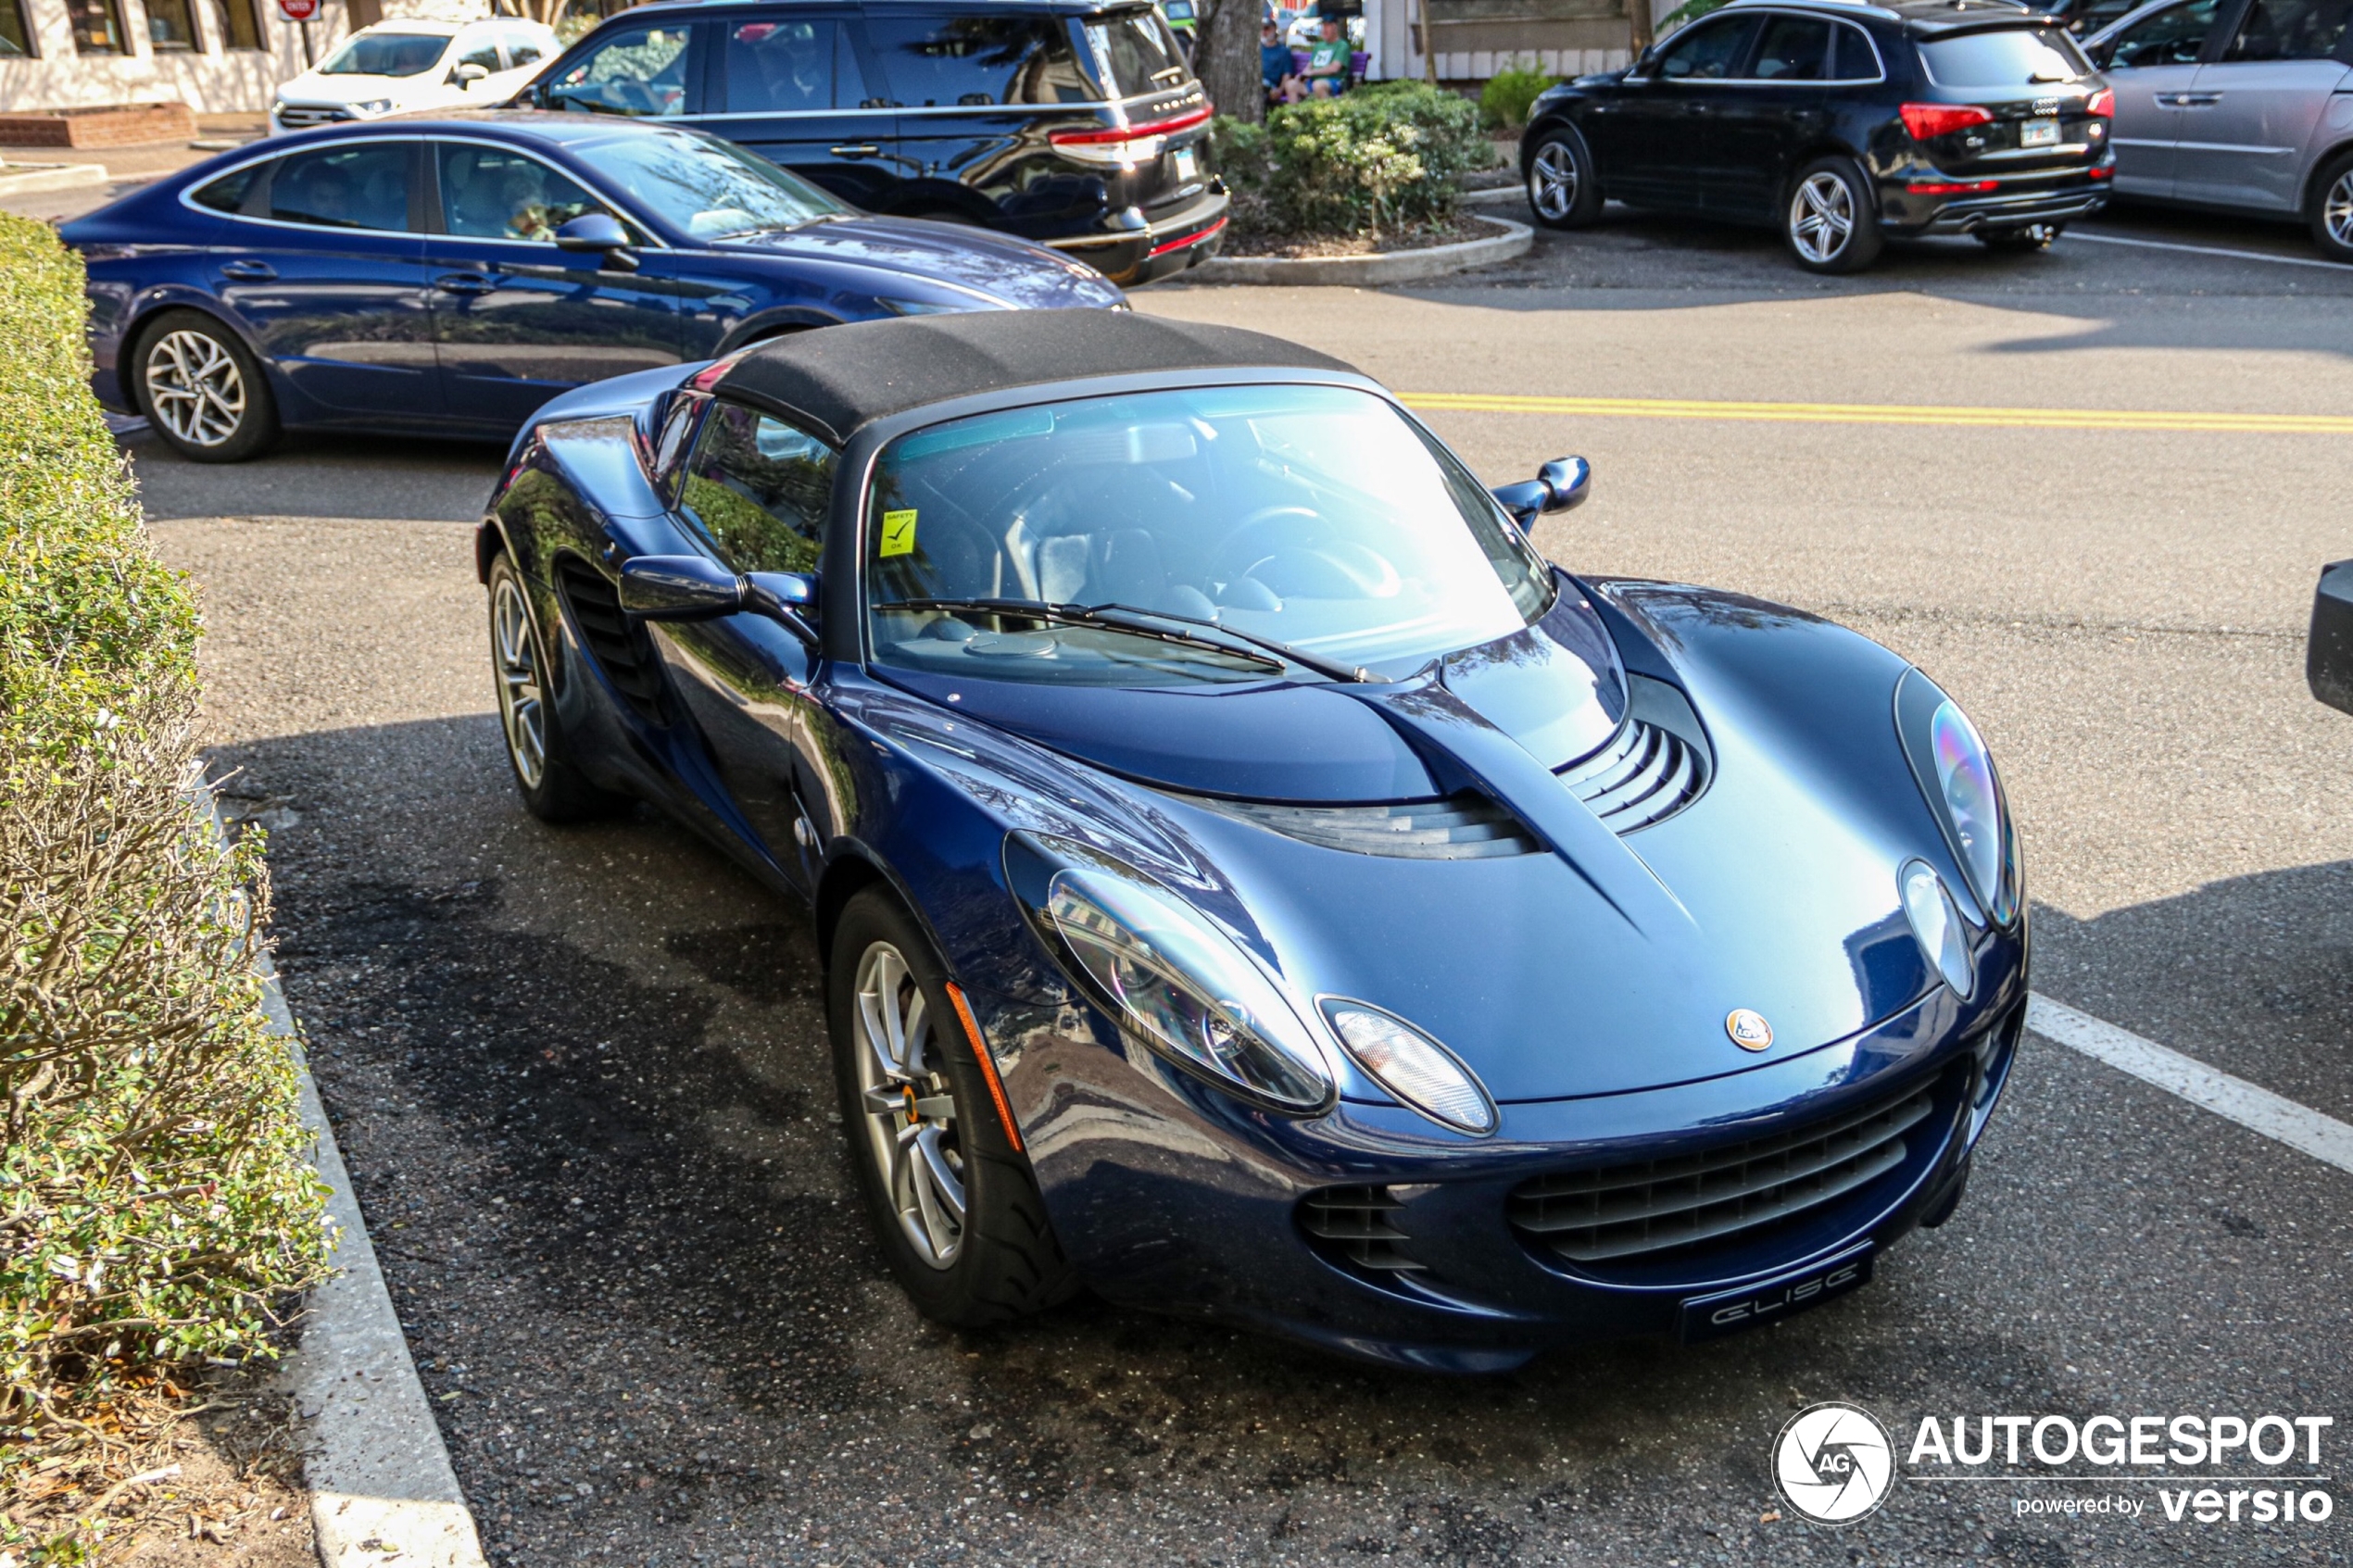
(520, 700)
(194, 388)
(2337, 211)
(912, 1129)
(1821, 217)
(1552, 181)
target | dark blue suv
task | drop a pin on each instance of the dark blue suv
(1069, 123)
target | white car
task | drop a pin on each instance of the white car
(415, 65)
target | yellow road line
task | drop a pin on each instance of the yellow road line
(1882, 414)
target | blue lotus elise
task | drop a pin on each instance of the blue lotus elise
(1253, 882)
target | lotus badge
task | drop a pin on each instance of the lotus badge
(1748, 1029)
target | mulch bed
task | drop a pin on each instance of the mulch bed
(1417, 237)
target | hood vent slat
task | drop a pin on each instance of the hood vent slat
(1645, 774)
(1462, 827)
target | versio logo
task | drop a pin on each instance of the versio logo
(1833, 1462)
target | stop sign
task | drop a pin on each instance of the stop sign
(297, 10)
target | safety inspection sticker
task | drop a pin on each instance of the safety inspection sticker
(898, 533)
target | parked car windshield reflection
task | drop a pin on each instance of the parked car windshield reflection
(387, 54)
(706, 187)
(1317, 517)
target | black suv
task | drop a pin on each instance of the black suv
(1071, 122)
(1841, 122)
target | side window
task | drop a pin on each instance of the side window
(522, 50)
(759, 490)
(228, 194)
(364, 185)
(483, 52)
(494, 194)
(641, 70)
(2290, 29)
(932, 62)
(2172, 37)
(1793, 49)
(1707, 51)
(783, 66)
(1855, 61)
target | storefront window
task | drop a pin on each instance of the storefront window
(241, 24)
(97, 27)
(16, 31)
(172, 24)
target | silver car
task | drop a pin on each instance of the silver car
(2245, 105)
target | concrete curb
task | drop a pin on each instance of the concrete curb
(25, 178)
(382, 1489)
(1368, 272)
(1498, 196)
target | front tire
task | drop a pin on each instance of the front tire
(2022, 241)
(201, 389)
(952, 1205)
(1563, 190)
(1830, 221)
(2330, 211)
(553, 788)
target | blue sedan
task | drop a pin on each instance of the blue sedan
(1252, 881)
(451, 274)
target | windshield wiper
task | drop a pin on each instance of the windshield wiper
(1079, 615)
(1330, 668)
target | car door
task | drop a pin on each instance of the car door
(756, 491)
(2251, 113)
(515, 319)
(2152, 65)
(1778, 105)
(1651, 136)
(791, 86)
(649, 70)
(324, 261)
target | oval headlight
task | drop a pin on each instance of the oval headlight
(1411, 1066)
(1955, 773)
(1936, 925)
(1186, 988)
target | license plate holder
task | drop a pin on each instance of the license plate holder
(1730, 1311)
(1186, 164)
(2038, 133)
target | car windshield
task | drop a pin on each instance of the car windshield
(1319, 518)
(709, 188)
(386, 54)
(2012, 56)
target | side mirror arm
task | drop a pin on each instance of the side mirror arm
(1559, 486)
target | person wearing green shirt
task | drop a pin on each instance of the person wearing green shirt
(1328, 60)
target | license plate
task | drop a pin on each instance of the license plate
(1185, 164)
(2038, 133)
(1710, 1317)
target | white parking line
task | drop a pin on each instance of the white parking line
(2209, 250)
(2284, 1121)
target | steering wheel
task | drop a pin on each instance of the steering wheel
(1261, 534)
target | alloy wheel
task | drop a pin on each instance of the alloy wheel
(1552, 181)
(1821, 217)
(912, 1124)
(520, 702)
(194, 388)
(2336, 211)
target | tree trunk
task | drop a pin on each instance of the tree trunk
(1638, 17)
(1225, 58)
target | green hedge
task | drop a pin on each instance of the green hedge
(1390, 155)
(1503, 103)
(156, 1199)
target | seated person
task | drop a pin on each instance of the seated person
(1278, 71)
(1329, 61)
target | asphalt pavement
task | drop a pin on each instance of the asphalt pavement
(580, 1075)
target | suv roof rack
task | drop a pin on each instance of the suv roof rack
(1866, 7)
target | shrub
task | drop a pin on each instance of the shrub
(154, 1195)
(1390, 154)
(1503, 103)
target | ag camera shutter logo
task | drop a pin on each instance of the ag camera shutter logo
(1833, 1462)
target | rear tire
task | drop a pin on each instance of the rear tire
(2330, 210)
(1830, 221)
(953, 1206)
(554, 788)
(201, 388)
(2022, 241)
(1563, 190)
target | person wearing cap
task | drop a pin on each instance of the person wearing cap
(1277, 68)
(1330, 60)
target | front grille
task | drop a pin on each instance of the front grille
(295, 118)
(616, 641)
(1356, 1227)
(1644, 775)
(1462, 827)
(1634, 1211)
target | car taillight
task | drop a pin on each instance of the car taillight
(1138, 143)
(1924, 120)
(2102, 103)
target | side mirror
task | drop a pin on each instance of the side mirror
(466, 75)
(1558, 486)
(695, 588)
(598, 233)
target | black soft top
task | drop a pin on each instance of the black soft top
(833, 381)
